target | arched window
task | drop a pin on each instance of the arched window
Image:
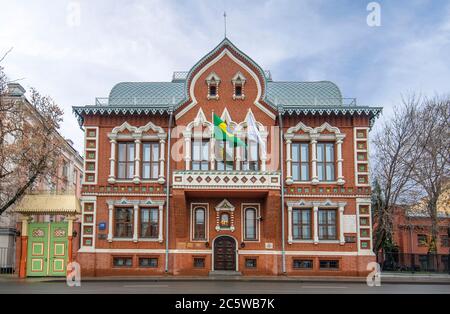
(199, 223)
(250, 226)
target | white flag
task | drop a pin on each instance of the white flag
(253, 133)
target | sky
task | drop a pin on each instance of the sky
(76, 50)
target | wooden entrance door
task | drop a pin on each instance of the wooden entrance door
(47, 249)
(224, 253)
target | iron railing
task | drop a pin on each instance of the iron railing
(7, 260)
(181, 75)
(406, 262)
(312, 101)
(137, 101)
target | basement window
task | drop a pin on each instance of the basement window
(122, 261)
(329, 264)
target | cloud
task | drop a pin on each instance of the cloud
(296, 40)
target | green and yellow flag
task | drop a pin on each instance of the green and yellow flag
(222, 133)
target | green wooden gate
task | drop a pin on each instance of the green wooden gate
(47, 249)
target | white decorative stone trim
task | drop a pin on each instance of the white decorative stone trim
(190, 180)
(83, 200)
(244, 207)
(136, 204)
(314, 135)
(315, 205)
(225, 206)
(87, 159)
(226, 52)
(137, 134)
(238, 79)
(213, 80)
(205, 206)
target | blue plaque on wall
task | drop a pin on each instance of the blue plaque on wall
(102, 226)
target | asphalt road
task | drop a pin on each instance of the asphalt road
(220, 287)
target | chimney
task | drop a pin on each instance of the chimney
(15, 89)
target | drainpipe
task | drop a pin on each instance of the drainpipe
(168, 189)
(283, 245)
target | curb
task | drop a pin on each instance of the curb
(384, 279)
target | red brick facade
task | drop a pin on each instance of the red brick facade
(347, 251)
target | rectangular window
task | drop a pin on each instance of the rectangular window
(224, 153)
(301, 224)
(444, 241)
(422, 239)
(250, 158)
(329, 264)
(212, 90)
(122, 261)
(250, 231)
(238, 90)
(199, 262)
(325, 161)
(302, 264)
(151, 262)
(300, 162)
(126, 160)
(150, 160)
(124, 223)
(199, 221)
(149, 223)
(250, 262)
(200, 155)
(327, 224)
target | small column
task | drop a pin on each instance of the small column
(212, 156)
(263, 152)
(316, 225)
(288, 139)
(137, 161)
(290, 224)
(238, 155)
(112, 162)
(187, 150)
(315, 178)
(341, 224)
(24, 247)
(162, 145)
(110, 222)
(135, 223)
(339, 141)
(70, 220)
(160, 231)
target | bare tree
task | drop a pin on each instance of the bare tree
(30, 147)
(431, 170)
(391, 173)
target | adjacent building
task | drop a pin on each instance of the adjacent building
(161, 195)
(41, 209)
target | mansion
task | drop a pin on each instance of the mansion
(161, 195)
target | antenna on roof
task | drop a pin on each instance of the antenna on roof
(225, 23)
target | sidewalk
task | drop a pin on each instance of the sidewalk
(394, 278)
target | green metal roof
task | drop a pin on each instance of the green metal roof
(146, 94)
(323, 93)
(322, 97)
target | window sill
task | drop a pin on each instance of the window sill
(301, 241)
